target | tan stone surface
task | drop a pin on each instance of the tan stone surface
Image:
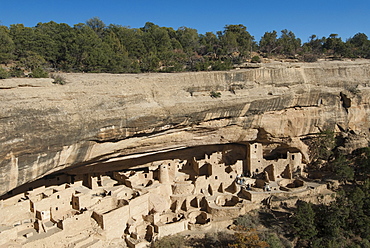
(97, 118)
(200, 194)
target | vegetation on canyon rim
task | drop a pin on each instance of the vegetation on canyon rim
(96, 47)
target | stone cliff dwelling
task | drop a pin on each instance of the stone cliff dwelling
(156, 199)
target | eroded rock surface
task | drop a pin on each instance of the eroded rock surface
(99, 119)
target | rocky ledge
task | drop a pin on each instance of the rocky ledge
(98, 120)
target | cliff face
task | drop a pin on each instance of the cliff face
(103, 118)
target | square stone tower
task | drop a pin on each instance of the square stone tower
(255, 161)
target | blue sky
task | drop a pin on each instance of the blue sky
(304, 18)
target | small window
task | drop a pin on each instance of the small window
(255, 146)
(231, 176)
(257, 170)
(146, 175)
(58, 196)
(292, 157)
(56, 208)
(216, 177)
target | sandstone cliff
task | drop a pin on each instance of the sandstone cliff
(99, 119)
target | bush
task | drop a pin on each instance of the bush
(309, 58)
(256, 59)
(248, 238)
(200, 66)
(58, 79)
(342, 169)
(322, 146)
(217, 239)
(247, 221)
(175, 241)
(39, 73)
(211, 240)
(220, 65)
(16, 72)
(273, 240)
(3, 73)
(215, 94)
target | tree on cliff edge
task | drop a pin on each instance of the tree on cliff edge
(96, 24)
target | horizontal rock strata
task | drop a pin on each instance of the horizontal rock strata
(99, 119)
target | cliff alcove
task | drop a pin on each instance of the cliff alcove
(116, 142)
(100, 117)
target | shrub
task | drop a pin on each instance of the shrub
(220, 65)
(16, 72)
(309, 58)
(3, 73)
(322, 146)
(342, 169)
(215, 94)
(211, 239)
(175, 241)
(256, 59)
(58, 79)
(247, 221)
(200, 66)
(248, 238)
(232, 89)
(273, 240)
(39, 73)
(214, 239)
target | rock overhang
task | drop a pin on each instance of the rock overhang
(97, 117)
